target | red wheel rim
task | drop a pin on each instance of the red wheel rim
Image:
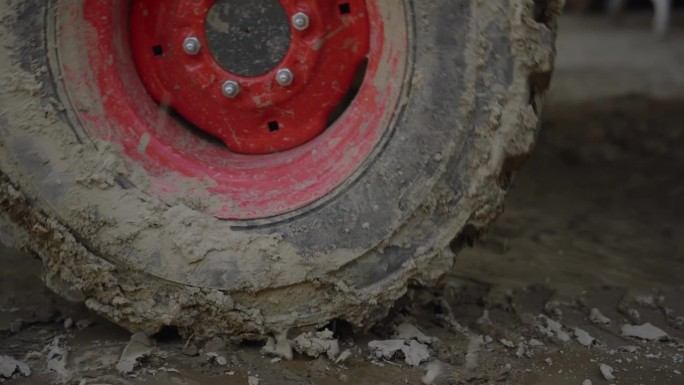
(264, 117)
(111, 102)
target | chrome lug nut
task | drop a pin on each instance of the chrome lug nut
(192, 46)
(284, 77)
(300, 21)
(230, 89)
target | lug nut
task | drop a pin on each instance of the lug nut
(300, 21)
(284, 77)
(192, 46)
(230, 89)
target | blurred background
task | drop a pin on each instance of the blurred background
(604, 54)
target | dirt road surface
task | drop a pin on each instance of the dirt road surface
(580, 281)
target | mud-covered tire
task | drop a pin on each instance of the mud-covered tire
(469, 114)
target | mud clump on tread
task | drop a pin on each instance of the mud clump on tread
(127, 298)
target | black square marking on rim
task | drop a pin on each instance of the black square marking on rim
(157, 50)
(273, 126)
(345, 8)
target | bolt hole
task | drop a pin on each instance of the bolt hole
(345, 8)
(157, 50)
(273, 126)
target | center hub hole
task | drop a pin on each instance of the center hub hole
(248, 37)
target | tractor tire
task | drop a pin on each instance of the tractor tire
(157, 225)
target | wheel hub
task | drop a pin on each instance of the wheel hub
(248, 37)
(263, 76)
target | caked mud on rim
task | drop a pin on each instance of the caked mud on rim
(270, 108)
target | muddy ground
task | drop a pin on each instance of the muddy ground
(589, 247)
